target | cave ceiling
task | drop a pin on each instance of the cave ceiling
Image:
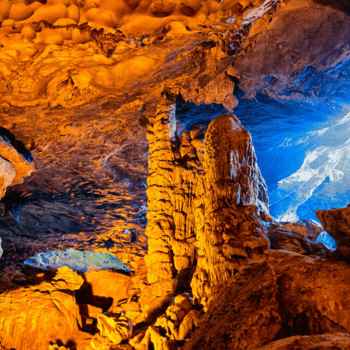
(79, 81)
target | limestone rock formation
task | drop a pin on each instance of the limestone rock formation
(337, 341)
(228, 232)
(336, 223)
(113, 328)
(312, 293)
(175, 325)
(31, 317)
(81, 81)
(307, 228)
(193, 199)
(7, 174)
(15, 162)
(294, 242)
(244, 313)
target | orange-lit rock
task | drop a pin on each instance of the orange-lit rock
(32, 317)
(305, 227)
(336, 223)
(308, 342)
(13, 164)
(7, 175)
(244, 314)
(181, 186)
(113, 328)
(106, 284)
(228, 232)
(312, 293)
(79, 82)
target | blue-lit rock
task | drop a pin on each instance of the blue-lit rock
(327, 240)
(76, 260)
(323, 180)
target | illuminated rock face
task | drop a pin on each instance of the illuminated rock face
(32, 317)
(201, 199)
(14, 166)
(228, 232)
(313, 293)
(174, 170)
(241, 318)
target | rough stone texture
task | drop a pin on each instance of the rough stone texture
(312, 293)
(242, 315)
(113, 327)
(7, 174)
(175, 324)
(299, 36)
(192, 198)
(14, 166)
(294, 242)
(306, 228)
(32, 317)
(337, 223)
(22, 163)
(107, 284)
(336, 341)
(174, 170)
(228, 232)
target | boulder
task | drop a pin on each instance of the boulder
(32, 317)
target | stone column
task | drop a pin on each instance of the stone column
(228, 233)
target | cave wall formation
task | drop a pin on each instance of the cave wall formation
(89, 96)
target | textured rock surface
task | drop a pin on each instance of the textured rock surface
(339, 341)
(108, 285)
(313, 293)
(228, 233)
(32, 317)
(336, 223)
(192, 200)
(14, 166)
(80, 84)
(294, 242)
(307, 228)
(114, 327)
(7, 174)
(244, 313)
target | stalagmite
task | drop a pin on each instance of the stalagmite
(228, 233)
